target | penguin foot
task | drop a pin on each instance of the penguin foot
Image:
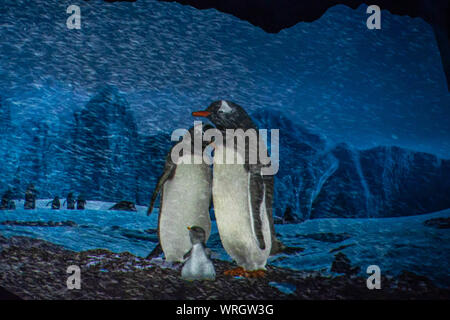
(241, 272)
(236, 272)
(255, 274)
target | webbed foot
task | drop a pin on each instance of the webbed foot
(241, 272)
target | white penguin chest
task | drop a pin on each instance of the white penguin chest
(231, 198)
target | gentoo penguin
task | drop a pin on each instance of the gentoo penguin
(81, 202)
(70, 201)
(242, 195)
(6, 200)
(56, 204)
(30, 197)
(185, 197)
(198, 266)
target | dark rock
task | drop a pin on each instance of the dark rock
(67, 223)
(156, 252)
(124, 206)
(341, 264)
(7, 203)
(137, 235)
(292, 250)
(341, 248)
(3, 239)
(6, 295)
(439, 223)
(277, 220)
(288, 216)
(328, 237)
(413, 278)
(33, 269)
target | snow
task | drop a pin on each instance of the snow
(97, 227)
(394, 244)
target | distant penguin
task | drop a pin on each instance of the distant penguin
(81, 202)
(185, 200)
(56, 204)
(70, 201)
(11, 205)
(242, 196)
(30, 197)
(198, 266)
(6, 200)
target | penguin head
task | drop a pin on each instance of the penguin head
(226, 115)
(197, 235)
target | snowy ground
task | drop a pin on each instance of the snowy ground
(394, 244)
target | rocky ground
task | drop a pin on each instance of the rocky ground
(36, 269)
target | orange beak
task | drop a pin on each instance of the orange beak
(201, 113)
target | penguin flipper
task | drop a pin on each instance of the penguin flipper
(277, 245)
(256, 188)
(187, 254)
(169, 171)
(208, 252)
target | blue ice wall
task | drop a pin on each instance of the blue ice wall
(333, 78)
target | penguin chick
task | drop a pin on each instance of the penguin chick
(198, 266)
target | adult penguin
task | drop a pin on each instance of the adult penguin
(242, 194)
(81, 202)
(70, 201)
(6, 200)
(185, 188)
(30, 197)
(56, 204)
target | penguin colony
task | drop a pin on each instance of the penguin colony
(241, 196)
(7, 202)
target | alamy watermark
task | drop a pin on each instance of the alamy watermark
(374, 281)
(374, 21)
(241, 147)
(74, 280)
(74, 20)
